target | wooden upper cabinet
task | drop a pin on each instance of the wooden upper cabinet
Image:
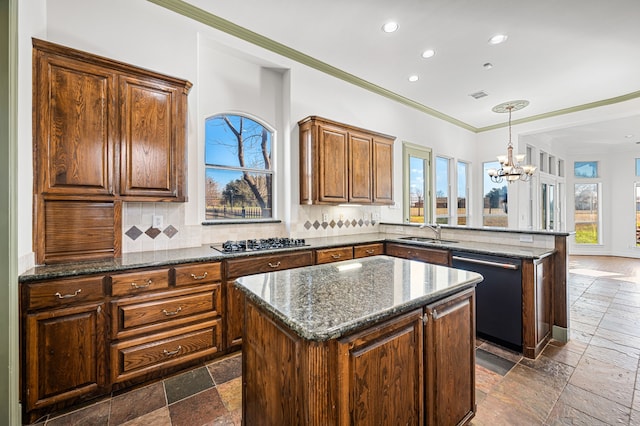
(152, 139)
(344, 164)
(104, 132)
(382, 171)
(333, 162)
(360, 165)
(74, 106)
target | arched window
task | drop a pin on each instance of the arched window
(238, 169)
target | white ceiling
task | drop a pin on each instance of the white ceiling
(559, 53)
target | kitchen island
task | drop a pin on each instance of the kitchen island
(379, 340)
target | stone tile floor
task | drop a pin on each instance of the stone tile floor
(592, 380)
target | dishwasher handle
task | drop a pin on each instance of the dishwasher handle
(486, 262)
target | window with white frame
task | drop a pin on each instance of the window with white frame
(443, 190)
(417, 196)
(587, 213)
(238, 169)
(463, 192)
(637, 203)
(494, 201)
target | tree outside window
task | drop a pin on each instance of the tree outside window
(495, 203)
(239, 172)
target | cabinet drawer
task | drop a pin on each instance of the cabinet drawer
(368, 250)
(257, 264)
(334, 254)
(198, 273)
(138, 282)
(51, 294)
(428, 255)
(147, 314)
(140, 356)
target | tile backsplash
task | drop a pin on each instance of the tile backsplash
(139, 234)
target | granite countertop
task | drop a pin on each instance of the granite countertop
(328, 301)
(205, 253)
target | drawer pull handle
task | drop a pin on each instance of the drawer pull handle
(147, 284)
(172, 313)
(336, 256)
(172, 353)
(370, 251)
(67, 296)
(199, 277)
(274, 265)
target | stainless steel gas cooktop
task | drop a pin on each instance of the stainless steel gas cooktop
(259, 244)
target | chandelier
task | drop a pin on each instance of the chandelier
(510, 169)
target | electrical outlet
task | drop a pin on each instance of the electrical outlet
(342, 217)
(325, 217)
(158, 221)
(375, 216)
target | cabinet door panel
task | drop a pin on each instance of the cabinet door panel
(450, 352)
(198, 273)
(383, 373)
(333, 163)
(360, 168)
(423, 254)
(368, 250)
(148, 150)
(382, 171)
(334, 254)
(74, 107)
(63, 292)
(65, 354)
(136, 357)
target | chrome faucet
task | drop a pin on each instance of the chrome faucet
(437, 230)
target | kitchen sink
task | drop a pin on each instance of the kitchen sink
(428, 240)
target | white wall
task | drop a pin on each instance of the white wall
(282, 92)
(228, 75)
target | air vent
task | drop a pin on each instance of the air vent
(478, 95)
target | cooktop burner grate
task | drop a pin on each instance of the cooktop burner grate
(259, 244)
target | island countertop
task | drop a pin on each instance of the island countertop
(324, 302)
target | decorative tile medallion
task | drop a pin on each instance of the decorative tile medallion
(153, 232)
(133, 233)
(170, 231)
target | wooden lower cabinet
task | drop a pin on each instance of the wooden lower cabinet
(367, 250)
(380, 374)
(450, 360)
(334, 254)
(84, 337)
(234, 308)
(423, 254)
(64, 355)
(417, 368)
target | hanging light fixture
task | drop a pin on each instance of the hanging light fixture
(510, 168)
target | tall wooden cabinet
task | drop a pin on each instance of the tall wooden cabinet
(104, 132)
(344, 164)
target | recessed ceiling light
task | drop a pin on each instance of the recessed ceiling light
(429, 53)
(390, 27)
(487, 65)
(413, 78)
(628, 136)
(498, 38)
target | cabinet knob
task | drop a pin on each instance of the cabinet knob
(67, 296)
(370, 251)
(336, 256)
(274, 265)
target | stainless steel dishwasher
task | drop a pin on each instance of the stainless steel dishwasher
(498, 297)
